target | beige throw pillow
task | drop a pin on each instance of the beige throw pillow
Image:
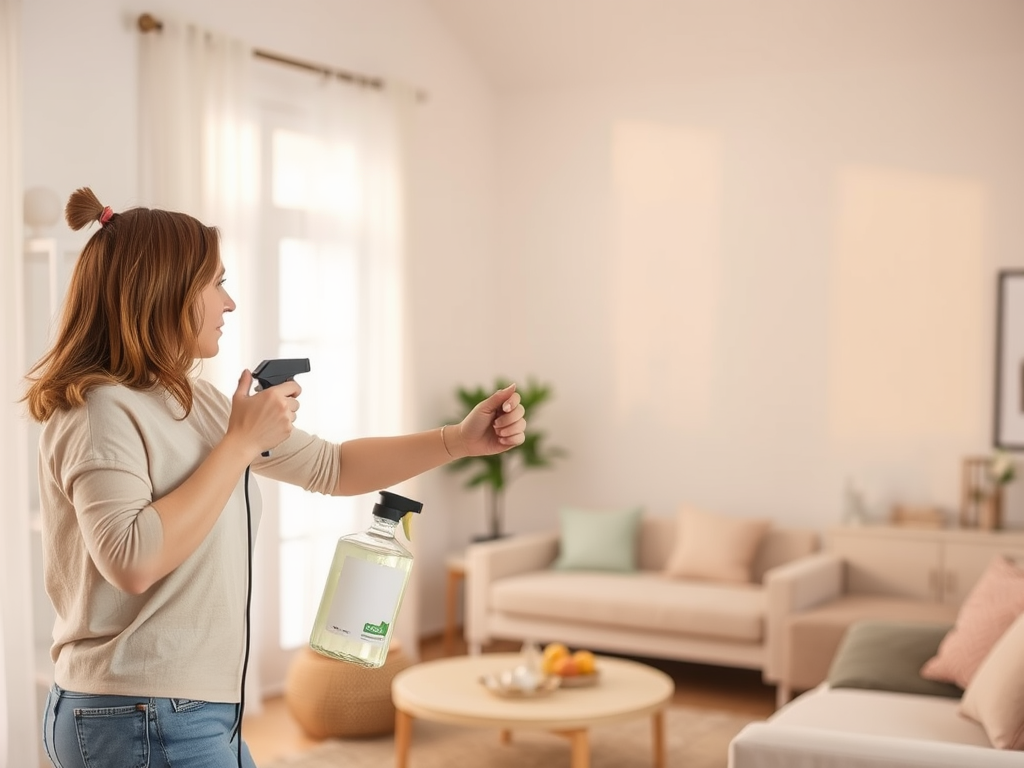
(715, 547)
(995, 697)
(991, 606)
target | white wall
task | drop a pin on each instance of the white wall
(750, 277)
(746, 278)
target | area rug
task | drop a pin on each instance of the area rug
(694, 738)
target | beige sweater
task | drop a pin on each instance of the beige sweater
(100, 467)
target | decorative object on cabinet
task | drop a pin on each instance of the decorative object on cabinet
(984, 478)
(909, 516)
(1009, 378)
(855, 510)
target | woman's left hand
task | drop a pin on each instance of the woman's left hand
(493, 426)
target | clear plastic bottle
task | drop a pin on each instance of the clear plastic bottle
(364, 588)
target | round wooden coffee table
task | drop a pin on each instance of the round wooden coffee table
(449, 691)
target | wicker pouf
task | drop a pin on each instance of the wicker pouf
(328, 697)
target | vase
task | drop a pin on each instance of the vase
(990, 515)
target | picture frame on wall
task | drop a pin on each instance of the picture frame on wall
(1009, 379)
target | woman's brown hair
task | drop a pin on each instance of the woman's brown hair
(132, 314)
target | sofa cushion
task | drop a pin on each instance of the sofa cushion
(887, 656)
(991, 606)
(995, 697)
(641, 601)
(715, 547)
(598, 540)
(656, 539)
(881, 713)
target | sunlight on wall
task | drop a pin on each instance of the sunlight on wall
(908, 306)
(664, 281)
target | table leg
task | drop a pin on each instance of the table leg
(658, 734)
(454, 577)
(580, 749)
(403, 736)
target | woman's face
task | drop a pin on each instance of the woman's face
(215, 302)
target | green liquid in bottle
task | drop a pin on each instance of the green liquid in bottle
(362, 596)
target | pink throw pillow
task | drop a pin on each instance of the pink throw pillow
(995, 697)
(989, 609)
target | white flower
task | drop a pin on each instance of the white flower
(1002, 469)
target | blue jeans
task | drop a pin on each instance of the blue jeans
(81, 730)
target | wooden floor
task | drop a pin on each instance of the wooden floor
(273, 733)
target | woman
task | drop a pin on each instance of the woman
(143, 472)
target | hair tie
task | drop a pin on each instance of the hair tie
(106, 215)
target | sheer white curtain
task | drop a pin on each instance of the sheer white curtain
(340, 302)
(18, 715)
(198, 154)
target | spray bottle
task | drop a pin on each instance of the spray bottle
(364, 587)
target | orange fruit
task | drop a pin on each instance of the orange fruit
(555, 650)
(552, 654)
(566, 666)
(584, 662)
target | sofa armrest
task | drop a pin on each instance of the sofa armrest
(486, 562)
(766, 745)
(791, 588)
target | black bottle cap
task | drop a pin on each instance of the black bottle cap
(395, 507)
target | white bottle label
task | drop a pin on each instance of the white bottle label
(365, 600)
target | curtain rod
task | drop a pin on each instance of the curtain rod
(149, 23)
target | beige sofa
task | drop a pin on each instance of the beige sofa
(832, 727)
(513, 593)
(877, 709)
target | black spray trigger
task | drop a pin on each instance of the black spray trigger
(270, 373)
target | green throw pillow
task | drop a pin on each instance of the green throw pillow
(888, 656)
(598, 540)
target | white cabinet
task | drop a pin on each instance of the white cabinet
(941, 565)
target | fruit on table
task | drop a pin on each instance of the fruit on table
(566, 666)
(584, 661)
(553, 652)
(558, 660)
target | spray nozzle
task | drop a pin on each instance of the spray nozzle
(394, 507)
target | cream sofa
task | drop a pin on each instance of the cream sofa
(885, 702)
(850, 728)
(512, 593)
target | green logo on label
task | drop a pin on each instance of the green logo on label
(376, 629)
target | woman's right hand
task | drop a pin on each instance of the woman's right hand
(265, 419)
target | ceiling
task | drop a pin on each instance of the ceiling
(531, 44)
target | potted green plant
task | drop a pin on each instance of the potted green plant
(497, 471)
